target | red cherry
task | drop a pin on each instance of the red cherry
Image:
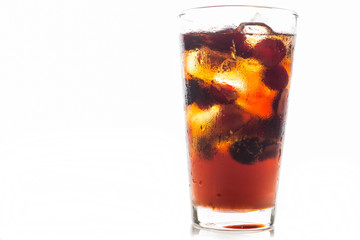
(276, 78)
(246, 150)
(270, 51)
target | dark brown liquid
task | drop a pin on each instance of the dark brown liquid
(236, 110)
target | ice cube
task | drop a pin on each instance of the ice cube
(256, 97)
(201, 121)
(206, 147)
(280, 103)
(242, 47)
(223, 93)
(229, 74)
(197, 92)
(242, 74)
(246, 75)
(192, 41)
(220, 41)
(254, 28)
(270, 150)
(258, 102)
(203, 63)
(247, 35)
(230, 119)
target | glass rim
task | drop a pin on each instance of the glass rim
(184, 12)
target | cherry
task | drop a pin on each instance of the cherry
(276, 78)
(246, 151)
(269, 51)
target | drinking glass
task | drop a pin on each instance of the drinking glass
(237, 63)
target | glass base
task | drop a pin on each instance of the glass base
(233, 220)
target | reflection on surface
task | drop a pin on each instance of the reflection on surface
(200, 233)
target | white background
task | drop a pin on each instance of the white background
(92, 142)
